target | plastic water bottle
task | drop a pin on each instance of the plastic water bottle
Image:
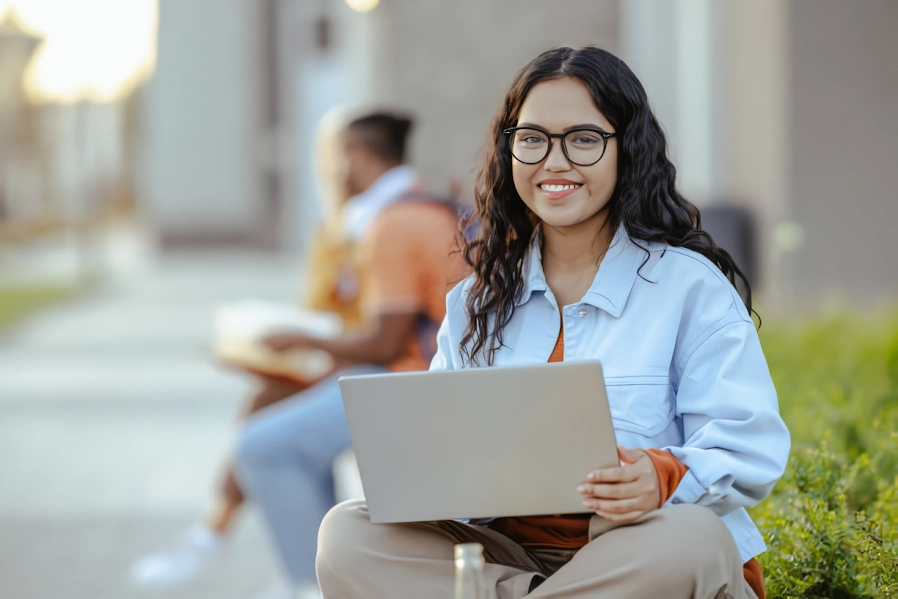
(469, 582)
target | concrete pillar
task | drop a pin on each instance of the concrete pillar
(201, 120)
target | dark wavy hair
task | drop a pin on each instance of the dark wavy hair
(645, 199)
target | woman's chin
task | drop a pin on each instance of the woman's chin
(571, 215)
(558, 220)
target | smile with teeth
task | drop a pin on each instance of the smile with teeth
(549, 187)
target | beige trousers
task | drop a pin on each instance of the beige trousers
(678, 551)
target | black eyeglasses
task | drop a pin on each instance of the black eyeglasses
(583, 147)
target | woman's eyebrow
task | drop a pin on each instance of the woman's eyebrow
(571, 128)
(586, 126)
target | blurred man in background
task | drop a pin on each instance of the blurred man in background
(407, 259)
(385, 263)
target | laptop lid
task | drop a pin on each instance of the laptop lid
(479, 442)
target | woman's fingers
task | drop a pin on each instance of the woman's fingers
(622, 493)
(613, 474)
(620, 474)
(616, 506)
(612, 490)
(629, 472)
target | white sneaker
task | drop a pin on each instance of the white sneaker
(180, 564)
(308, 591)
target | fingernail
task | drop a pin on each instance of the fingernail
(581, 488)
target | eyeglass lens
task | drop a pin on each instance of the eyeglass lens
(582, 147)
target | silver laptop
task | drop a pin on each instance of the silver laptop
(479, 442)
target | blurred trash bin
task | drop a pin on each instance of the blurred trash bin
(734, 229)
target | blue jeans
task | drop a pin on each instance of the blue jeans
(284, 461)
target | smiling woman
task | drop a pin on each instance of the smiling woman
(95, 50)
(587, 251)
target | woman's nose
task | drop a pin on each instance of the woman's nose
(556, 160)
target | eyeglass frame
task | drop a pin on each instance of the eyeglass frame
(603, 134)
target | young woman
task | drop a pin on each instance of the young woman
(587, 250)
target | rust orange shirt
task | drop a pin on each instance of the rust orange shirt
(407, 260)
(572, 531)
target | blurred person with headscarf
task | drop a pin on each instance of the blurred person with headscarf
(384, 259)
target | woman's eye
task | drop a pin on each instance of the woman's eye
(532, 139)
(586, 139)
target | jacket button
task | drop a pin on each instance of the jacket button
(582, 313)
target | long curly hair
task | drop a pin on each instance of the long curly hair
(645, 199)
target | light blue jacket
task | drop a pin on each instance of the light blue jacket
(683, 368)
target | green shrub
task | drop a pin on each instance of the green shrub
(17, 302)
(830, 523)
(818, 544)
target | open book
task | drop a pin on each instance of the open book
(240, 328)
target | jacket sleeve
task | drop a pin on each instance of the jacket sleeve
(735, 442)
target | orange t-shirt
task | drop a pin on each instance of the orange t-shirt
(572, 531)
(408, 260)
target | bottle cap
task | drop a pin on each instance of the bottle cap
(469, 551)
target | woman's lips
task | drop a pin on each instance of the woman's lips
(556, 191)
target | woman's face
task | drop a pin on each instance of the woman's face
(559, 192)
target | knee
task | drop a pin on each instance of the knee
(696, 540)
(342, 534)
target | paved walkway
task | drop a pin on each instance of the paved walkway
(113, 426)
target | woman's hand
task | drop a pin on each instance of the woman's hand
(623, 493)
(283, 341)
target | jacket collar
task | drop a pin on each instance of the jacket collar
(614, 281)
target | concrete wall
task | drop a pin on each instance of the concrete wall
(845, 149)
(200, 123)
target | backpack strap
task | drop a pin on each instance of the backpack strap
(460, 210)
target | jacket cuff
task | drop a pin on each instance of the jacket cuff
(688, 491)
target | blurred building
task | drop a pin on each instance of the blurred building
(783, 108)
(20, 155)
(68, 71)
